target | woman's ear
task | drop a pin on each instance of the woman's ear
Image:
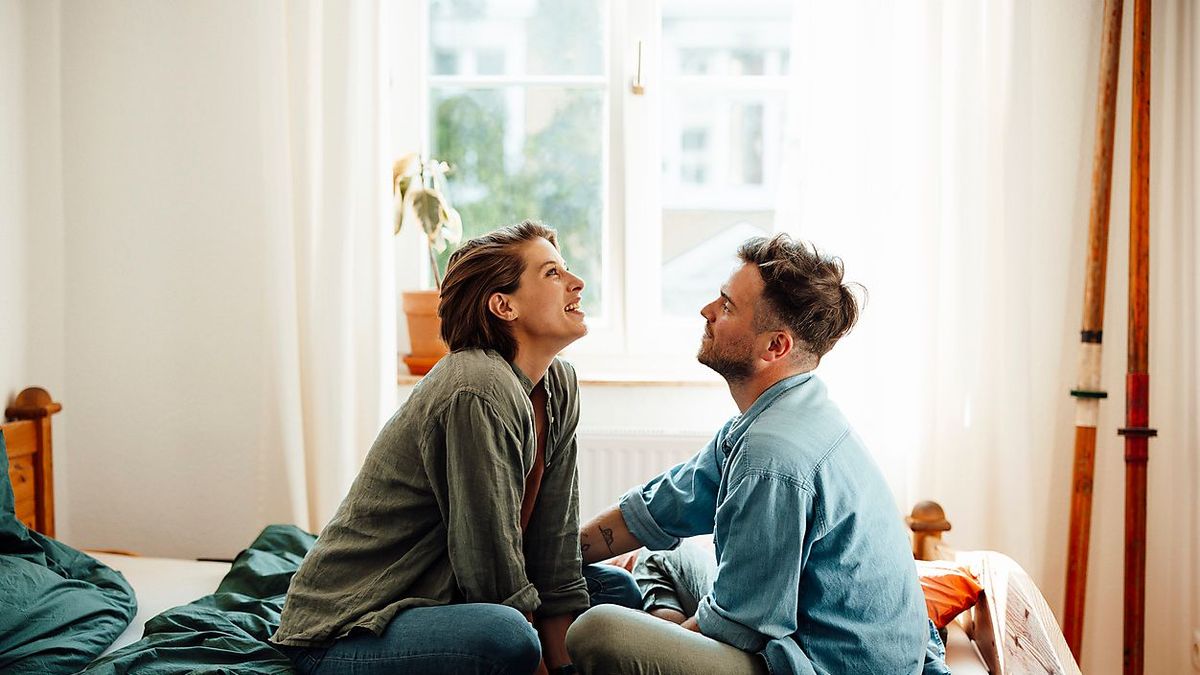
(501, 305)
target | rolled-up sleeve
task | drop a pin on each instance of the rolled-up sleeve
(679, 503)
(755, 597)
(485, 472)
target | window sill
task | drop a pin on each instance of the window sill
(625, 371)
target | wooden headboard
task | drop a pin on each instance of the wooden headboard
(31, 457)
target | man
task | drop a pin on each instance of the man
(813, 570)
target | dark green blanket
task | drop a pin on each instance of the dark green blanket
(59, 608)
(225, 632)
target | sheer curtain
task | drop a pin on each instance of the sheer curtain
(329, 265)
(943, 150)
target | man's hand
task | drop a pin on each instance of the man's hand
(605, 536)
(625, 561)
(692, 625)
(669, 615)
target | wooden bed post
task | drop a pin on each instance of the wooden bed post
(927, 522)
(36, 405)
(1137, 431)
(1088, 392)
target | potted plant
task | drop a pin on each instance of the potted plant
(419, 191)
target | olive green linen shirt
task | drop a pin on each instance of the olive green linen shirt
(433, 516)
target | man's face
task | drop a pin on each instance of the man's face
(729, 345)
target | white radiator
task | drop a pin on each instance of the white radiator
(612, 461)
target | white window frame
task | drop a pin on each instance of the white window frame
(633, 339)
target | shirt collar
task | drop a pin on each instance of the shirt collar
(527, 385)
(763, 402)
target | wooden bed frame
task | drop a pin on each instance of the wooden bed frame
(30, 457)
(1012, 625)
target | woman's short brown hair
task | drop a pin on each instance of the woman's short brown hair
(803, 290)
(487, 264)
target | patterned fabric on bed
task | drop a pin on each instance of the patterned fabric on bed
(59, 608)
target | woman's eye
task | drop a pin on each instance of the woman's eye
(553, 271)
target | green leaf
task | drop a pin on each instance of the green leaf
(427, 205)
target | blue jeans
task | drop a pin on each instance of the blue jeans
(608, 585)
(476, 639)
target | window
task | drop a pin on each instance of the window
(530, 102)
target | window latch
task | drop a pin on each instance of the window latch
(638, 88)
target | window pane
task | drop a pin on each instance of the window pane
(749, 37)
(720, 143)
(517, 37)
(522, 152)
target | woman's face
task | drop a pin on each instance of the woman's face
(546, 311)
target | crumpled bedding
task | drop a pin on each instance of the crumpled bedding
(227, 631)
(59, 608)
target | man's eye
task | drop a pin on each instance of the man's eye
(725, 306)
(553, 270)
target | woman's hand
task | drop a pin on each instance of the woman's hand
(552, 630)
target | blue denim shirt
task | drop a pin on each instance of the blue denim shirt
(814, 569)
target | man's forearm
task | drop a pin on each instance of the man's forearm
(606, 535)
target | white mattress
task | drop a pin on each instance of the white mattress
(161, 583)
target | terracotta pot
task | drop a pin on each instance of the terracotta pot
(424, 331)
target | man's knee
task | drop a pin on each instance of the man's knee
(595, 634)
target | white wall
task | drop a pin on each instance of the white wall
(164, 341)
(14, 313)
(31, 228)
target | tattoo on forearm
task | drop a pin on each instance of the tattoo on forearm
(583, 544)
(606, 532)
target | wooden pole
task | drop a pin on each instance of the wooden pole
(1137, 431)
(1087, 392)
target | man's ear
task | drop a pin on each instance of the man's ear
(501, 305)
(781, 345)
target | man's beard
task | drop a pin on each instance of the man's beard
(733, 363)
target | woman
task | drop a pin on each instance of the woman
(457, 548)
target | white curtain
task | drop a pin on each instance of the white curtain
(329, 267)
(943, 150)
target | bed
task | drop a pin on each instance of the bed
(1011, 630)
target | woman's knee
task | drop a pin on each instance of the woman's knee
(508, 640)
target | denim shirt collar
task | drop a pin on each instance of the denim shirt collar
(764, 401)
